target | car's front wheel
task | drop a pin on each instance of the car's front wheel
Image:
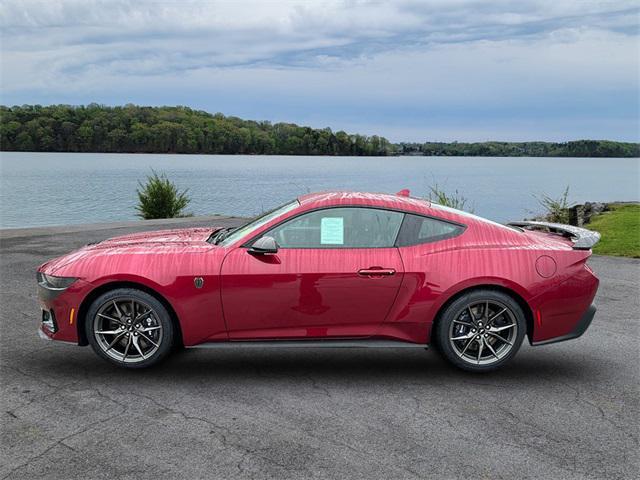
(129, 328)
(481, 331)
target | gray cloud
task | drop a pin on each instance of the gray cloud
(153, 37)
(330, 61)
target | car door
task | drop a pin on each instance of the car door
(336, 274)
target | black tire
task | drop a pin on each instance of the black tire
(154, 332)
(461, 330)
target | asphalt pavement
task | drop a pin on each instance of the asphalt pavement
(565, 411)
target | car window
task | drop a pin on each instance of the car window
(349, 227)
(417, 229)
(257, 223)
(437, 206)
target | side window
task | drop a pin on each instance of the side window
(349, 227)
(417, 229)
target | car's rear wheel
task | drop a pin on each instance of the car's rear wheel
(481, 331)
(129, 328)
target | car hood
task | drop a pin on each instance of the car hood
(159, 237)
(161, 241)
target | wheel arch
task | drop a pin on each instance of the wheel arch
(113, 285)
(526, 309)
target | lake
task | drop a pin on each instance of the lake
(39, 189)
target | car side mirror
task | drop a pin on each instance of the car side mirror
(264, 246)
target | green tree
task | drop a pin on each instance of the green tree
(132, 128)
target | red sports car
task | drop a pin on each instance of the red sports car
(338, 269)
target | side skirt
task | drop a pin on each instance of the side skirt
(311, 344)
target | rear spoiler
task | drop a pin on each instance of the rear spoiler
(582, 238)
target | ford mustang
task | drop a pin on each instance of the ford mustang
(337, 269)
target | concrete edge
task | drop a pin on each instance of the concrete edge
(7, 233)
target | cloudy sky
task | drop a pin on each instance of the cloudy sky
(409, 70)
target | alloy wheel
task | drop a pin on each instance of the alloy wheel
(483, 332)
(127, 330)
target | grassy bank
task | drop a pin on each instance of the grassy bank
(620, 230)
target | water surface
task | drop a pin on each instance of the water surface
(38, 189)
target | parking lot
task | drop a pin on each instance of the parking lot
(568, 410)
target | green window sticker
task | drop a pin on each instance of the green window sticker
(332, 231)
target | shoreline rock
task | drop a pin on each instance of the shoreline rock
(580, 214)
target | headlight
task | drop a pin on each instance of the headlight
(55, 283)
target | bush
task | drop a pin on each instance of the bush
(453, 200)
(556, 209)
(160, 198)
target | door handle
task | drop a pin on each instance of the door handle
(376, 272)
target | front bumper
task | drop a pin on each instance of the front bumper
(43, 336)
(63, 307)
(579, 329)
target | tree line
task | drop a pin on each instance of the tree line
(578, 148)
(136, 129)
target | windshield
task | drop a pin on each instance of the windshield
(253, 225)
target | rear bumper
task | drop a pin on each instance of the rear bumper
(579, 329)
(560, 310)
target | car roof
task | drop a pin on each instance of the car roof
(400, 201)
(384, 200)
